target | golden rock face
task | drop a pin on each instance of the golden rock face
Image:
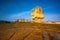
(21, 20)
(37, 14)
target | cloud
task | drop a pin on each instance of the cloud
(25, 15)
(52, 16)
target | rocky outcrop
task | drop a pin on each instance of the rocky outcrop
(37, 14)
(21, 20)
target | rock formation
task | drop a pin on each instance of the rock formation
(23, 29)
(37, 14)
(21, 20)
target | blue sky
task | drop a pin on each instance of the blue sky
(15, 9)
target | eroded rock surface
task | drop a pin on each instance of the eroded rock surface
(30, 31)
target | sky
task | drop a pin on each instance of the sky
(16, 9)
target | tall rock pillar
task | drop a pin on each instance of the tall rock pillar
(37, 14)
